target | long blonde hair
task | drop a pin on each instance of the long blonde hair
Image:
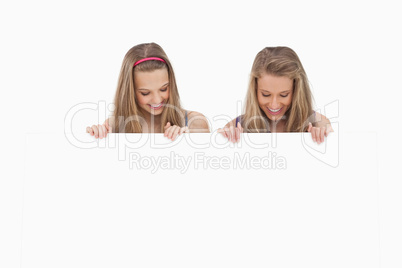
(279, 61)
(127, 116)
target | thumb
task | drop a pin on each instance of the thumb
(167, 125)
(239, 126)
(106, 124)
(328, 130)
(222, 131)
(310, 126)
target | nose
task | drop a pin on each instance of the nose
(157, 98)
(274, 103)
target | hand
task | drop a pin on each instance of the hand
(171, 132)
(100, 131)
(318, 133)
(232, 133)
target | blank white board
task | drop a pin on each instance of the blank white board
(206, 204)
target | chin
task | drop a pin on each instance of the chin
(156, 112)
(274, 117)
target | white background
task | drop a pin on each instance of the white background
(55, 55)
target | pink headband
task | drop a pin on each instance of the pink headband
(147, 59)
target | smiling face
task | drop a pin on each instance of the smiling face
(274, 94)
(152, 90)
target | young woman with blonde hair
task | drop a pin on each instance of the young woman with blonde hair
(278, 98)
(147, 99)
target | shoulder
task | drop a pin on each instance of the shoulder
(197, 122)
(194, 114)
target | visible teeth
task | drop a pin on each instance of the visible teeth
(156, 106)
(274, 111)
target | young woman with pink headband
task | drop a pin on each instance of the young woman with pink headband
(147, 99)
(278, 99)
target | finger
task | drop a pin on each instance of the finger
(322, 134)
(232, 134)
(240, 127)
(328, 130)
(240, 130)
(108, 127)
(105, 130)
(167, 125)
(96, 132)
(166, 131)
(227, 133)
(237, 134)
(310, 126)
(312, 134)
(183, 130)
(317, 135)
(90, 131)
(100, 129)
(223, 132)
(175, 133)
(170, 132)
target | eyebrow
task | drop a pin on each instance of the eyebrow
(144, 89)
(286, 91)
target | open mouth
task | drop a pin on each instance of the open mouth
(274, 111)
(156, 106)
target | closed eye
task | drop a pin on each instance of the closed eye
(283, 96)
(144, 94)
(163, 90)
